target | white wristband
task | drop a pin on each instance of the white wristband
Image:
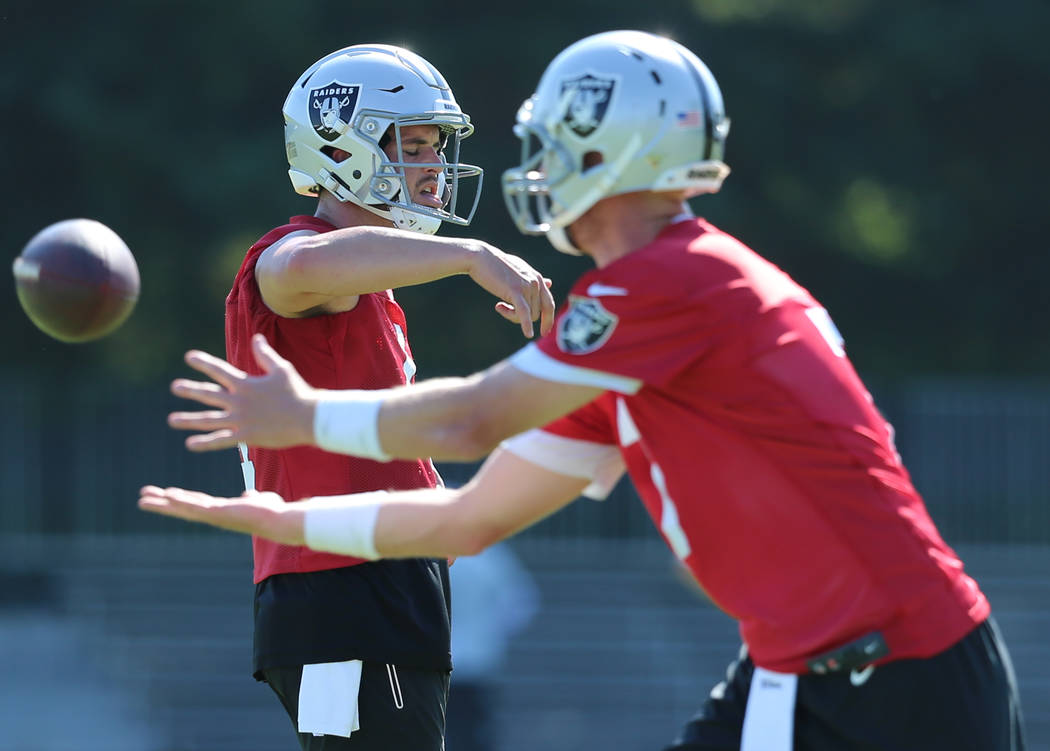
(343, 524)
(347, 422)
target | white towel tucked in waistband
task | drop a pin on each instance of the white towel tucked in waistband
(328, 698)
(769, 721)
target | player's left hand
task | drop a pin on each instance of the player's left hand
(273, 410)
(254, 513)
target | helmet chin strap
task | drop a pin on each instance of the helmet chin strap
(402, 217)
(413, 222)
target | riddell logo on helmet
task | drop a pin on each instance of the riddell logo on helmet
(590, 101)
(708, 173)
(332, 108)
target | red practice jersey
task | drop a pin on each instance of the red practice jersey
(363, 348)
(756, 449)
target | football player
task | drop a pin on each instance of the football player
(358, 650)
(721, 386)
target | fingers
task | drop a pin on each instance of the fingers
(521, 288)
(545, 315)
(156, 505)
(173, 501)
(266, 355)
(192, 497)
(215, 368)
(541, 305)
(507, 311)
(189, 505)
(209, 420)
(151, 498)
(205, 393)
(547, 308)
(219, 422)
(219, 439)
(236, 514)
(223, 432)
(523, 314)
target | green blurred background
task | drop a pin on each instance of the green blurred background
(892, 157)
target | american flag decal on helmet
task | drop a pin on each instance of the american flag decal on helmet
(690, 119)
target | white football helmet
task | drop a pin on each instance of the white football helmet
(355, 99)
(616, 112)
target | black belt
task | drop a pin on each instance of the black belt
(858, 653)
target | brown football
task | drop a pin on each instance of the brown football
(77, 280)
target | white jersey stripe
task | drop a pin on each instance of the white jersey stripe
(534, 361)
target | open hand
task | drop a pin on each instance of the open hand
(273, 410)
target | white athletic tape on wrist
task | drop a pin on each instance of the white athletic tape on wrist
(347, 422)
(343, 524)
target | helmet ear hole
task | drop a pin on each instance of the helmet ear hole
(592, 159)
(336, 155)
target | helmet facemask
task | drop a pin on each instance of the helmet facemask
(389, 186)
(527, 189)
(550, 190)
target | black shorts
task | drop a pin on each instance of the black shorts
(399, 708)
(963, 699)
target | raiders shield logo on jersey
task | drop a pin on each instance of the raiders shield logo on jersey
(589, 103)
(585, 327)
(332, 109)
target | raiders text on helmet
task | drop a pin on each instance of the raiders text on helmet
(613, 113)
(356, 98)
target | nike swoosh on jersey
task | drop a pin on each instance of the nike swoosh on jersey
(860, 677)
(597, 289)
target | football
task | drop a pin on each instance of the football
(77, 280)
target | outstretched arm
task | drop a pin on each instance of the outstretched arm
(507, 494)
(448, 418)
(306, 270)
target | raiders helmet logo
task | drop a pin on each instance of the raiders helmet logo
(585, 327)
(589, 103)
(332, 109)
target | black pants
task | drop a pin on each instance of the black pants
(963, 699)
(398, 709)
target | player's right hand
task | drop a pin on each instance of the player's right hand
(524, 292)
(272, 410)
